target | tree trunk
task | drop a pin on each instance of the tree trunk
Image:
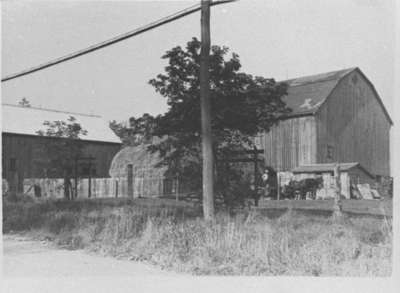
(256, 198)
(207, 151)
(76, 179)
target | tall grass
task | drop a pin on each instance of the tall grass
(243, 244)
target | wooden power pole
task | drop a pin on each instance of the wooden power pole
(207, 150)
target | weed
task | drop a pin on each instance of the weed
(246, 243)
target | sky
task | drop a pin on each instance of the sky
(278, 39)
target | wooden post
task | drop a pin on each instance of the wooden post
(130, 180)
(67, 182)
(177, 188)
(256, 194)
(255, 163)
(207, 151)
(278, 179)
(336, 206)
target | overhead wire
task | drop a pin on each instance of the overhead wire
(109, 42)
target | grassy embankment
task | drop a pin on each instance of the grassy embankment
(246, 243)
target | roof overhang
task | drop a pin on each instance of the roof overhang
(329, 168)
(62, 138)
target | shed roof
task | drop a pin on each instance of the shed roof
(328, 167)
(306, 94)
(29, 120)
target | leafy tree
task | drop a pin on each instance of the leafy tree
(242, 106)
(123, 132)
(24, 103)
(137, 133)
(62, 152)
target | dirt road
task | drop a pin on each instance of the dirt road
(24, 257)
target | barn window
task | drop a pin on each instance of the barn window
(13, 164)
(329, 152)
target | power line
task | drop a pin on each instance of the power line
(119, 38)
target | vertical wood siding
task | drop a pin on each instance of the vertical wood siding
(290, 143)
(354, 124)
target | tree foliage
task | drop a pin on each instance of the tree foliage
(62, 153)
(242, 106)
(139, 130)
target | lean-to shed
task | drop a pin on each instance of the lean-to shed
(350, 174)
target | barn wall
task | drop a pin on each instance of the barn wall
(28, 149)
(104, 153)
(352, 127)
(290, 143)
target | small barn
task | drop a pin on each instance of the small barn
(336, 117)
(351, 174)
(22, 147)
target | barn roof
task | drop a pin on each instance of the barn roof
(29, 120)
(327, 167)
(306, 94)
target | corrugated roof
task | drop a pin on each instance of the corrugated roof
(29, 120)
(306, 94)
(327, 167)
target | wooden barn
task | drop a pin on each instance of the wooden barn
(336, 117)
(22, 147)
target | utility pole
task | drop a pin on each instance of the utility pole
(207, 150)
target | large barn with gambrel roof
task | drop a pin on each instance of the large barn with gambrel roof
(336, 117)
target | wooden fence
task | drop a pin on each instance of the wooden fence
(363, 206)
(107, 187)
(161, 187)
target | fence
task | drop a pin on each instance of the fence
(159, 186)
(362, 207)
(171, 188)
(54, 187)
